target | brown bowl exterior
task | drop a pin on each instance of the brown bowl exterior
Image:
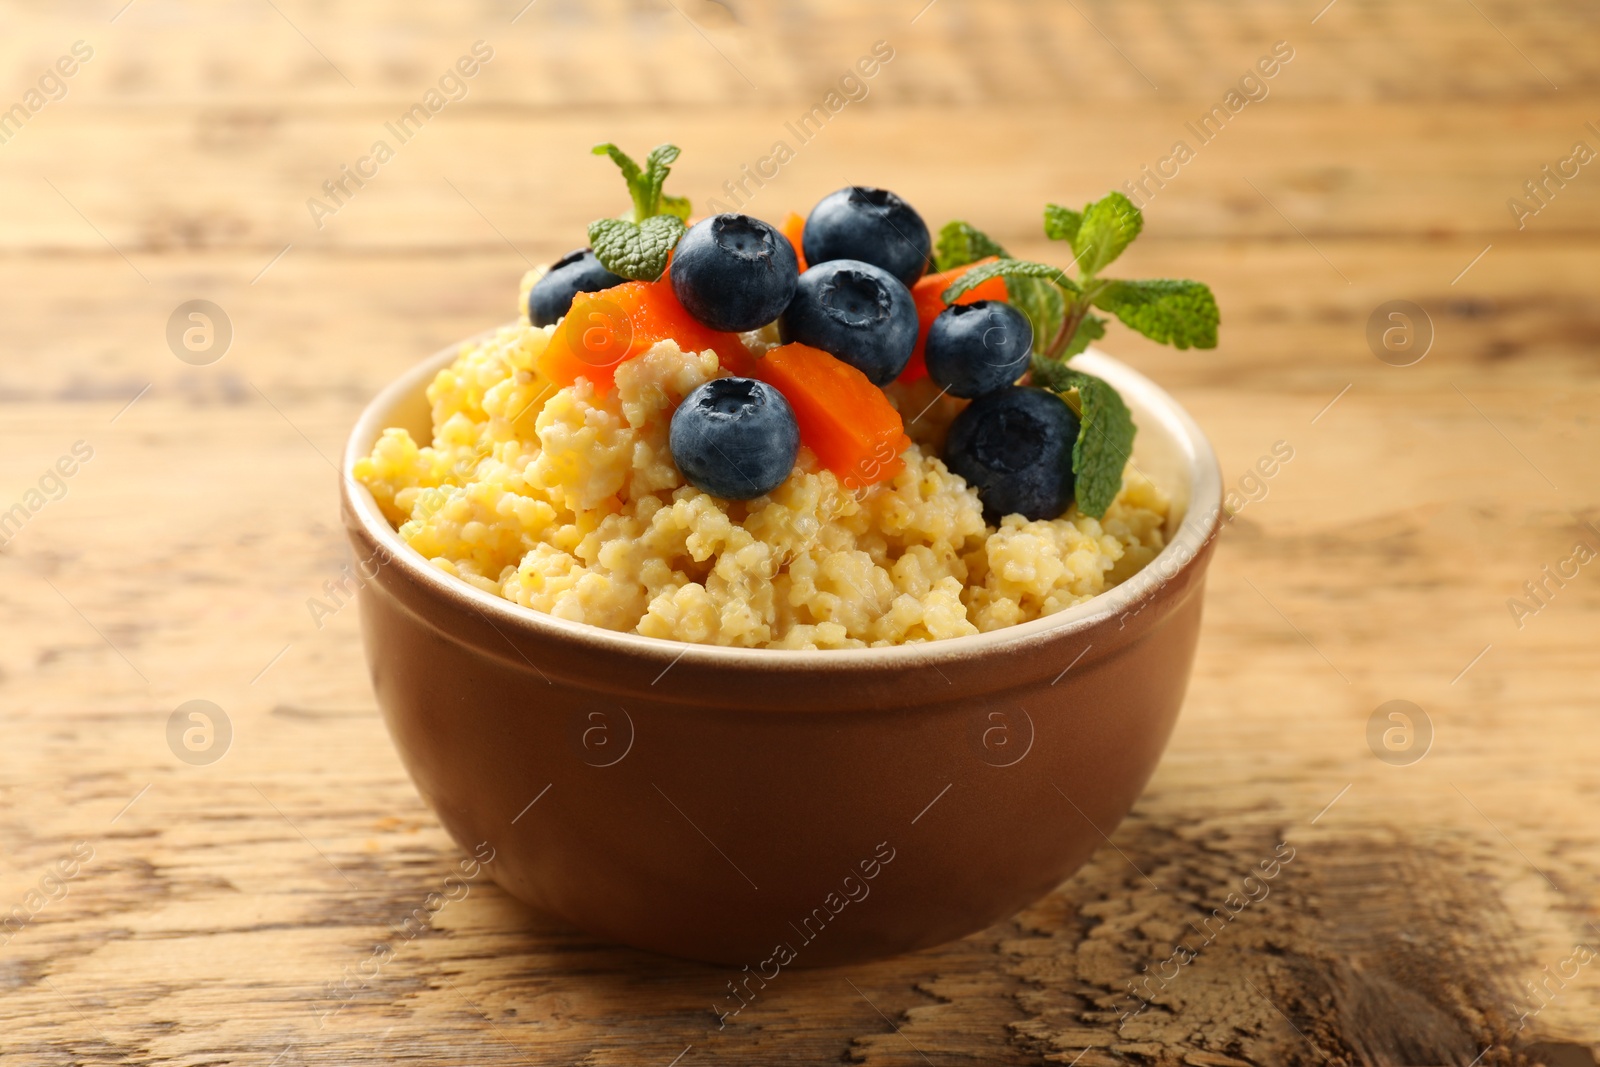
(777, 808)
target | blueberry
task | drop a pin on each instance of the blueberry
(1014, 446)
(733, 272)
(576, 272)
(734, 438)
(872, 225)
(857, 313)
(979, 347)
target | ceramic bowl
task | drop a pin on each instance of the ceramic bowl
(783, 808)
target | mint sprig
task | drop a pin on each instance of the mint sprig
(1179, 313)
(644, 183)
(1061, 308)
(637, 246)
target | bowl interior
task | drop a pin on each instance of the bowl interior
(1170, 449)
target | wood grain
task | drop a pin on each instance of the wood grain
(229, 912)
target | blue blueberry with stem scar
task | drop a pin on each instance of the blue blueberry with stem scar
(733, 272)
(857, 313)
(735, 438)
(872, 225)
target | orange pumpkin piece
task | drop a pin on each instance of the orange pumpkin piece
(794, 228)
(603, 329)
(927, 295)
(845, 419)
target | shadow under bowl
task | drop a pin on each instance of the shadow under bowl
(777, 808)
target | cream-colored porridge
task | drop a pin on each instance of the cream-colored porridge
(566, 501)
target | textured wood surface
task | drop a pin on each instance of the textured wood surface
(229, 912)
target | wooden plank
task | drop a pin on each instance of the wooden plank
(524, 182)
(556, 54)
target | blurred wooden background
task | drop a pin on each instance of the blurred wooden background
(222, 905)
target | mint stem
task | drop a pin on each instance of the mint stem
(1078, 305)
(1069, 328)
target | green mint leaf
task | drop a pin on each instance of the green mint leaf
(676, 205)
(1042, 303)
(638, 183)
(630, 169)
(1108, 226)
(644, 184)
(1007, 268)
(635, 250)
(959, 244)
(1105, 441)
(1179, 313)
(656, 168)
(1090, 329)
(1060, 223)
(1105, 434)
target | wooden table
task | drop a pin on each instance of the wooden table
(227, 912)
